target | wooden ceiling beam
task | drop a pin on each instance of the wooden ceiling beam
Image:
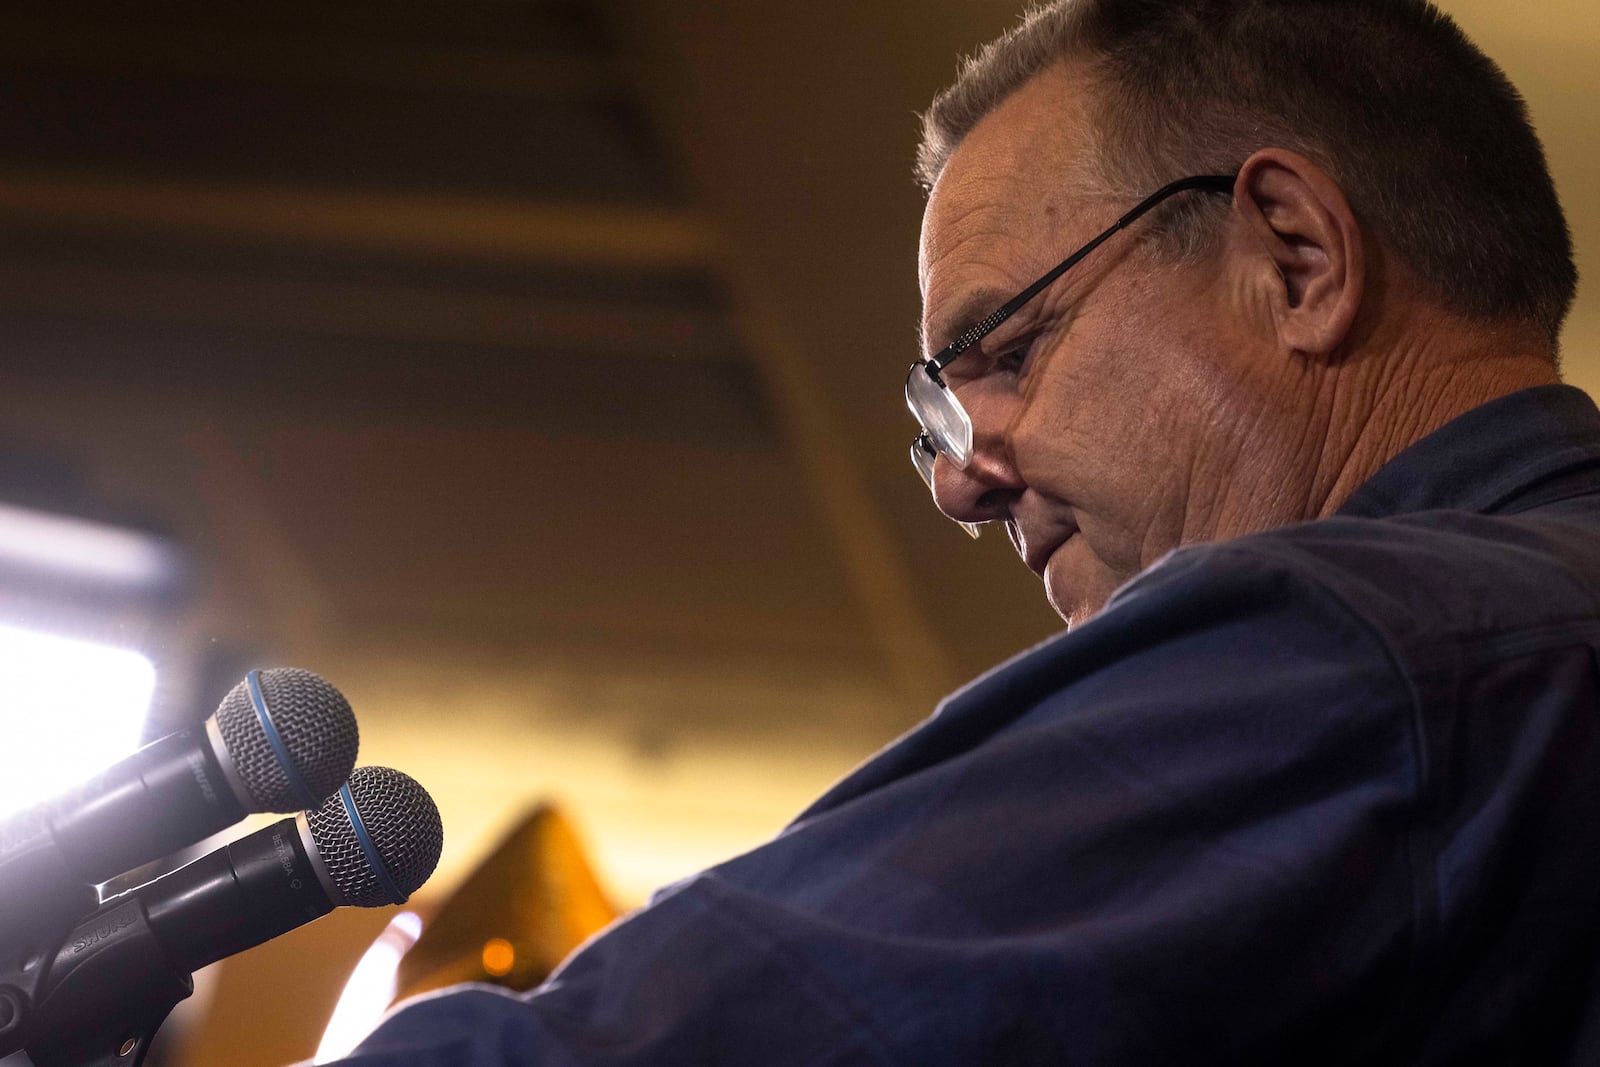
(132, 45)
(474, 227)
(375, 312)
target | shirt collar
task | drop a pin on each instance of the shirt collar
(1504, 456)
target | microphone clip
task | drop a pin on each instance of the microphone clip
(95, 999)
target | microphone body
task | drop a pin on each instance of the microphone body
(281, 740)
(243, 894)
(123, 968)
(170, 793)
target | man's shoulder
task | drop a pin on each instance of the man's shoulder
(1336, 619)
(1417, 579)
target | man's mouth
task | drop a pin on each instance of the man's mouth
(1036, 553)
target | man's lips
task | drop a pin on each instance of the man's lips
(1037, 550)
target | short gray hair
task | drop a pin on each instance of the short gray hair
(1429, 139)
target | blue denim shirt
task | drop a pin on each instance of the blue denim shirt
(1326, 794)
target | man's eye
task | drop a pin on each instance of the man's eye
(980, 362)
(1013, 360)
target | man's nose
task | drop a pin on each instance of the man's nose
(985, 489)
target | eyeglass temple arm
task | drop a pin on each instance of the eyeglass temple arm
(1217, 183)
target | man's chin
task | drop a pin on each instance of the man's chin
(1075, 591)
(1075, 613)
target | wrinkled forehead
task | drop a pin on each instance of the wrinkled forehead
(1010, 192)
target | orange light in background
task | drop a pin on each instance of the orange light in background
(498, 957)
(531, 902)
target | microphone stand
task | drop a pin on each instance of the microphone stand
(95, 999)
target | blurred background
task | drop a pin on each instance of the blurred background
(532, 371)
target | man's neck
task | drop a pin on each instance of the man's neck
(1403, 394)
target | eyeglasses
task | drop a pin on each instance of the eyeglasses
(946, 426)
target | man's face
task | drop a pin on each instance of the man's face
(1110, 412)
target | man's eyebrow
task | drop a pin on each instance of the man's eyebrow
(977, 305)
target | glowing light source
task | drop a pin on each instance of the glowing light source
(66, 546)
(370, 989)
(68, 708)
(498, 957)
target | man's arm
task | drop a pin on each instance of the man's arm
(1179, 831)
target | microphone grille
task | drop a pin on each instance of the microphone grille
(315, 724)
(403, 824)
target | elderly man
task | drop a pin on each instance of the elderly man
(1314, 776)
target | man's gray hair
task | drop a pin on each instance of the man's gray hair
(1429, 140)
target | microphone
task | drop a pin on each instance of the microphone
(281, 740)
(374, 842)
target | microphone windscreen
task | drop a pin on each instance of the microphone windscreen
(314, 725)
(401, 823)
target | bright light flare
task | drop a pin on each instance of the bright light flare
(68, 708)
(64, 546)
(371, 987)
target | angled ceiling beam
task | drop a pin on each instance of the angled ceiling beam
(877, 568)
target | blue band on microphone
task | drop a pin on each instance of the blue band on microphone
(297, 784)
(368, 849)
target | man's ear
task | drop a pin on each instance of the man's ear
(1299, 215)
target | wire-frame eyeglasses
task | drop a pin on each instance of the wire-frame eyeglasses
(946, 426)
